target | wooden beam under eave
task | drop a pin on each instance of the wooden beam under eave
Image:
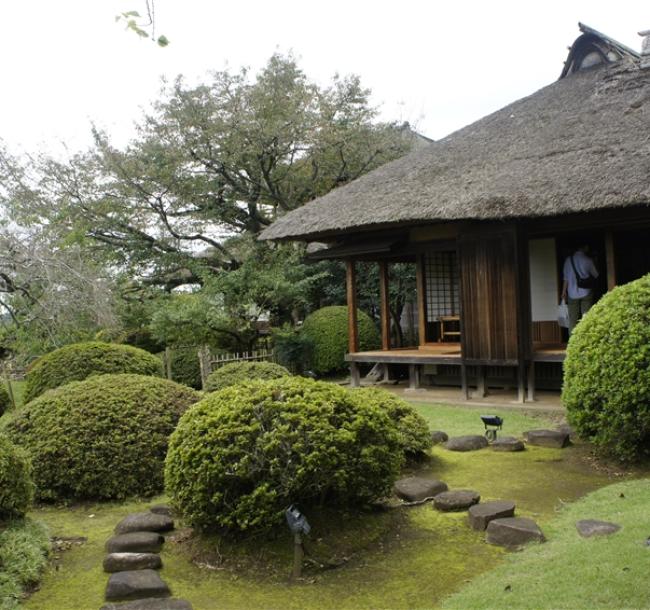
(610, 260)
(384, 296)
(422, 300)
(351, 290)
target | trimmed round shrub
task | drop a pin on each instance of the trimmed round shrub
(101, 438)
(412, 428)
(607, 373)
(236, 372)
(327, 328)
(240, 456)
(5, 401)
(16, 486)
(80, 360)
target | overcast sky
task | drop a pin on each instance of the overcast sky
(438, 64)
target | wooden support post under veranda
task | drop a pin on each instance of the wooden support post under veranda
(384, 297)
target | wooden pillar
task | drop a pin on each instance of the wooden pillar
(531, 381)
(355, 376)
(422, 300)
(414, 376)
(353, 328)
(611, 261)
(481, 388)
(384, 296)
(521, 383)
(464, 389)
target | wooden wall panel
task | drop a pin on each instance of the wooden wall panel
(489, 283)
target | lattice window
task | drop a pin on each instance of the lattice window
(441, 285)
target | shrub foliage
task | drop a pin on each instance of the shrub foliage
(185, 366)
(412, 428)
(607, 373)
(240, 456)
(80, 360)
(327, 329)
(16, 486)
(5, 401)
(101, 438)
(236, 372)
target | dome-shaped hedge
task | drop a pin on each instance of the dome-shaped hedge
(16, 486)
(236, 372)
(607, 373)
(80, 360)
(412, 428)
(327, 328)
(240, 456)
(104, 437)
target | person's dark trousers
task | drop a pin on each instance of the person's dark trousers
(578, 308)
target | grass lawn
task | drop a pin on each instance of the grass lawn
(572, 572)
(405, 558)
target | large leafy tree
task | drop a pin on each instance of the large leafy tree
(209, 162)
(210, 166)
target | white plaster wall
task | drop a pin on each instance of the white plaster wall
(543, 279)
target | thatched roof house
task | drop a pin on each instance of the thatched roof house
(488, 213)
(579, 144)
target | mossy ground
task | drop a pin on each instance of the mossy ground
(404, 558)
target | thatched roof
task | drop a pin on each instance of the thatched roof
(580, 144)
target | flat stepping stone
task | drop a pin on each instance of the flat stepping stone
(416, 489)
(557, 439)
(513, 532)
(122, 562)
(151, 603)
(568, 429)
(481, 514)
(458, 499)
(144, 522)
(136, 584)
(162, 509)
(508, 443)
(135, 542)
(471, 442)
(592, 527)
(438, 436)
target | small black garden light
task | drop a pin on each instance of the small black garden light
(492, 423)
(298, 524)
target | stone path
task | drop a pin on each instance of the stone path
(470, 442)
(592, 527)
(557, 439)
(133, 560)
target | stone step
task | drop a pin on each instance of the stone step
(136, 584)
(415, 489)
(592, 527)
(135, 542)
(470, 442)
(438, 436)
(124, 562)
(456, 500)
(145, 522)
(513, 532)
(556, 439)
(151, 603)
(508, 443)
(161, 509)
(480, 515)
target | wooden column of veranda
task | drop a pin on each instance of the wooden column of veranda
(353, 328)
(384, 305)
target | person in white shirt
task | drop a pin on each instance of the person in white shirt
(579, 299)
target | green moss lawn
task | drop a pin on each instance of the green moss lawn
(404, 558)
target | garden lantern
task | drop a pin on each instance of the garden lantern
(492, 423)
